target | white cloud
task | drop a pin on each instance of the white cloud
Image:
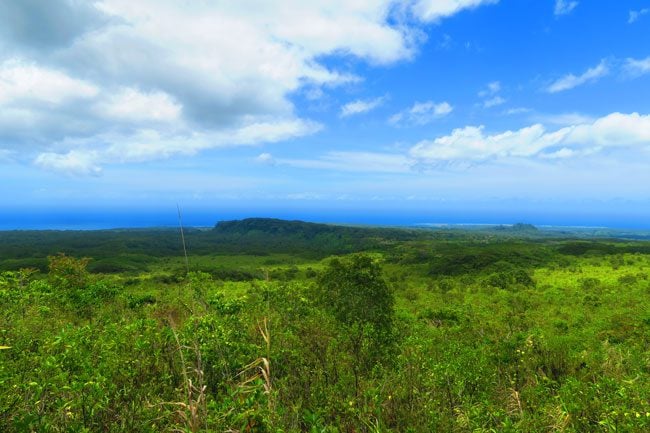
(471, 143)
(314, 93)
(73, 162)
(517, 110)
(494, 86)
(360, 106)
(564, 7)
(638, 67)
(446, 42)
(491, 89)
(421, 113)
(563, 119)
(490, 95)
(222, 68)
(303, 196)
(493, 102)
(435, 10)
(355, 162)
(560, 154)
(635, 15)
(265, 158)
(119, 81)
(6, 155)
(570, 81)
(87, 155)
(26, 82)
(614, 130)
(132, 105)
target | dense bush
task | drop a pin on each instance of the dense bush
(503, 336)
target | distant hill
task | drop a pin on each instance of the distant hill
(275, 226)
(269, 235)
(517, 228)
(308, 230)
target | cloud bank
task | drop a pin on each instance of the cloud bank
(88, 83)
(472, 144)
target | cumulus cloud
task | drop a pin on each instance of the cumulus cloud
(39, 25)
(83, 84)
(563, 119)
(80, 79)
(571, 81)
(129, 104)
(360, 106)
(435, 10)
(637, 67)
(635, 15)
(72, 162)
(564, 7)
(471, 143)
(88, 154)
(26, 82)
(614, 130)
(421, 113)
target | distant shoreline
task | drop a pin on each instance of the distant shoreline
(597, 230)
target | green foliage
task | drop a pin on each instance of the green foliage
(511, 280)
(68, 274)
(71, 282)
(451, 260)
(449, 334)
(355, 292)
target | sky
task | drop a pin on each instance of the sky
(113, 112)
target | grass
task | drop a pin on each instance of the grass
(150, 349)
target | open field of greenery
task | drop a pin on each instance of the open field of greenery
(296, 327)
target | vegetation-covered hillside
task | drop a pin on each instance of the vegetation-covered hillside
(130, 248)
(297, 327)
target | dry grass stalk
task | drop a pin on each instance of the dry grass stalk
(261, 367)
(514, 403)
(193, 410)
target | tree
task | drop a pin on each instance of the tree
(67, 274)
(355, 293)
(72, 283)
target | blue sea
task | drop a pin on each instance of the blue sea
(94, 218)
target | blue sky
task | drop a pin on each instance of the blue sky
(113, 111)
